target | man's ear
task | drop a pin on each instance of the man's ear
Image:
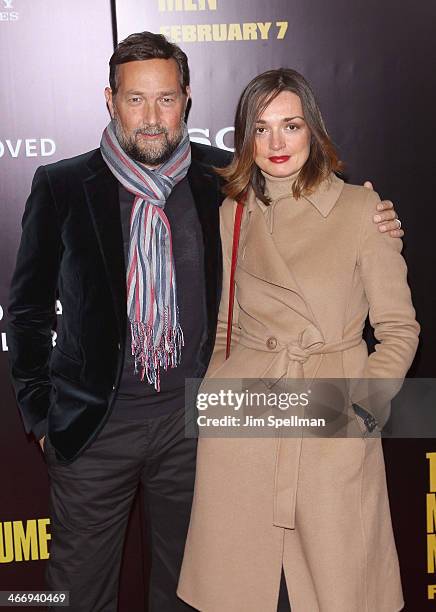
(109, 101)
(188, 96)
(188, 103)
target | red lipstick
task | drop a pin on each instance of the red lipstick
(279, 159)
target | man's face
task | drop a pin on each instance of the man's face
(148, 109)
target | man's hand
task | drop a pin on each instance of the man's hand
(41, 443)
(386, 217)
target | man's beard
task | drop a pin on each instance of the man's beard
(151, 153)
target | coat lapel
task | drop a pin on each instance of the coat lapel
(260, 257)
(101, 190)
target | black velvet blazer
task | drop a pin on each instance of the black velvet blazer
(72, 249)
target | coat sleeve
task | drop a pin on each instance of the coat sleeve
(32, 305)
(391, 313)
(227, 216)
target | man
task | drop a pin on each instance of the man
(127, 236)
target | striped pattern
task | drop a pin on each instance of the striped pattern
(157, 336)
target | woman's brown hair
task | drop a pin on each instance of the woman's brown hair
(243, 172)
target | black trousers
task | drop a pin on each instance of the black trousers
(90, 504)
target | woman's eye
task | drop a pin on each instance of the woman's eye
(260, 130)
(292, 127)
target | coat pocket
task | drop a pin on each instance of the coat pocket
(365, 420)
(65, 366)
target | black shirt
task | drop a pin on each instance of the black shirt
(134, 394)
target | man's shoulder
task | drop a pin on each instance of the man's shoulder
(79, 164)
(210, 156)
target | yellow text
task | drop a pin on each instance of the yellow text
(432, 470)
(24, 541)
(223, 32)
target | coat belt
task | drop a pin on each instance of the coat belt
(289, 358)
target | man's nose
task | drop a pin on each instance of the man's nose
(150, 115)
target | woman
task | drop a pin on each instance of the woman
(305, 281)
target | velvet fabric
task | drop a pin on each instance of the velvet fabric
(72, 249)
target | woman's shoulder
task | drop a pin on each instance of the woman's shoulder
(227, 214)
(227, 205)
(360, 196)
(360, 202)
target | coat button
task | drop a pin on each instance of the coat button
(271, 343)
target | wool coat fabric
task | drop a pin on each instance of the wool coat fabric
(309, 271)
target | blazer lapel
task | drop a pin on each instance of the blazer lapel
(101, 189)
(206, 191)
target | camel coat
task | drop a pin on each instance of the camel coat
(309, 270)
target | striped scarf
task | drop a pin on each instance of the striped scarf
(157, 336)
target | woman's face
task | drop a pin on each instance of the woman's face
(282, 142)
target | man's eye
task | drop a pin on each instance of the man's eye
(167, 100)
(134, 99)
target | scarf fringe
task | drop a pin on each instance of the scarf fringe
(150, 358)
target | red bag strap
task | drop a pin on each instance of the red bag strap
(236, 234)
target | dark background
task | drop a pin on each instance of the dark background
(371, 65)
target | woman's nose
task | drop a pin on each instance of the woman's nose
(277, 141)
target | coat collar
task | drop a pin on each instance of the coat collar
(326, 195)
(323, 198)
